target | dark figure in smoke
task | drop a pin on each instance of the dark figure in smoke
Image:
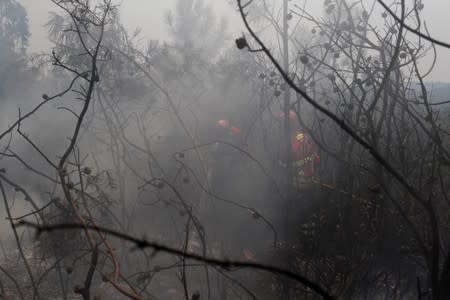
(226, 167)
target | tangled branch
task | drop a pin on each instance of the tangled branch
(157, 247)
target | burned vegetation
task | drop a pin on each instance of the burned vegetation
(305, 158)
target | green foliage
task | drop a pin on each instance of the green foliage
(14, 37)
(14, 33)
(194, 26)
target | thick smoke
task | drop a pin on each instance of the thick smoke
(186, 142)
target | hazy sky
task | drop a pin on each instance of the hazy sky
(149, 16)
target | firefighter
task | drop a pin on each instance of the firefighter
(225, 168)
(305, 158)
(224, 132)
(304, 154)
(228, 130)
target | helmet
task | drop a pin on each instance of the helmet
(223, 123)
(292, 115)
(235, 131)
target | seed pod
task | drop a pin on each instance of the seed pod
(87, 170)
(304, 59)
(195, 295)
(256, 215)
(365, 15)
(241, 43)
(78, 289)
(331, 77)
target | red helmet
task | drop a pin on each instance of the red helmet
(292, 115)
(235, 131)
